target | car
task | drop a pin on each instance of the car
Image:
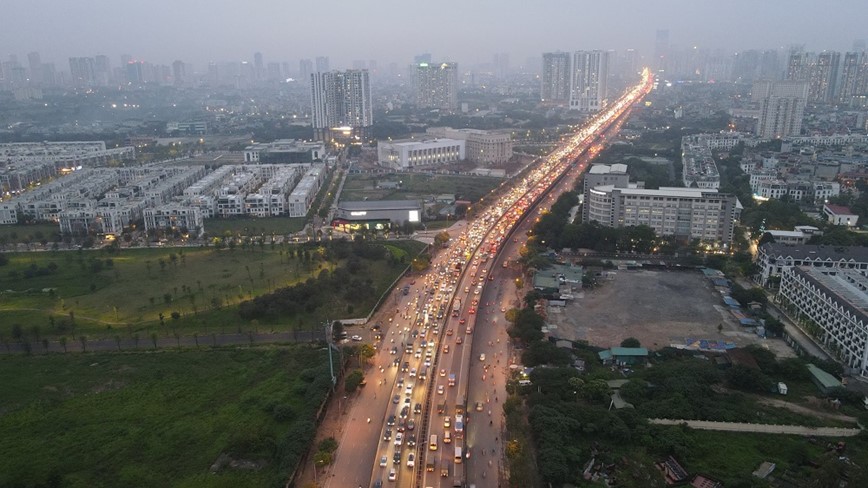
(396, 399)
(387, 434)
(490, 277)
(440, 389)
(472, 311)
(392, 474)
(449, 332)
(411, 424)
(442, 372)
(396, 362)
(401, 381)
(482, 357)
(479, 406)
(411, 460)
(446, 349)
(404, 412)
(459, 340)
(399, 439)
(391, 421)
(411, 440)
(427, 362)
(417, 409)
(502, 309)
(378, 484)
(393, 351)
(383, 461)
(447, 422)
(462, 321)
(418, 353)
(447, 437)
(356, 338)
(405, 366)
(466, 289)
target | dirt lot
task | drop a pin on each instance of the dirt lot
(659, 308)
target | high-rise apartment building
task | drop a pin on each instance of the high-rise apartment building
(81, 71)
(589, 75)
(179, 72)
(555, 79)
(782, 105)
(322, 64)
(820, 71)
(661, 50)
(341, 104)
(854, 76)
(437, 86)
(305, 68)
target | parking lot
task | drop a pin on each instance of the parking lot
(660, 308)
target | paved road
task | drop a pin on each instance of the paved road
(761, 428)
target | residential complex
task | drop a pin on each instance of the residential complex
(700, 170)
(589, 79)
(437, 86)
(832, 304)
(108, 200)
(411, 153)
(484, 147)
(341, 105)
(773, 259)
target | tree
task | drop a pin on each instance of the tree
(366, 352)
(353, 380)
(441, 238)
(630, 342)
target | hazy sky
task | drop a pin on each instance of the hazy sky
(468, 31)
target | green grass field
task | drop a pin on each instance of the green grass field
(157, 419)
(254, 226)
(414, 186)
(102, 294)
(28, 233)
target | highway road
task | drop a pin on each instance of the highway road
(450, 326)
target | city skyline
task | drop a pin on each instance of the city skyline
(162, 32)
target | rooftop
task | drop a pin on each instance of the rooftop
(813, 251)
(838, 209)
(601, 169)
(825, 379)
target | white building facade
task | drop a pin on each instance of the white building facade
(410, 154)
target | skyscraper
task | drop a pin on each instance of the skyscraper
(305, 68)
(501, 65)
(322, 64)
(437, 86)
(555, 79)
(81, 71)
(258, 67)
(341, 104)
(782, 105)
(35, 62)
(179, 72)
(589, 75)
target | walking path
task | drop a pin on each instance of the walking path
(761, 428)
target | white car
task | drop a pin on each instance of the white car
(356, 338)
(440, 389)
(399, 438)
(392, 475)
(482, 357)
(411, 460)
(413, 373)
(383, 462)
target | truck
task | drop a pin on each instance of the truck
(456, 307)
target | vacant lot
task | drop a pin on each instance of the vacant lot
(158, 419)
(416, 186)
(659, 308)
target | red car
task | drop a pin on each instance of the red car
(462, 321)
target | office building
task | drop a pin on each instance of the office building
(375, 215)
(409, 154)
(484, 147)
(782, 106)
(686, 213)
(437, 86)
(589, 76)
(600, 175)
(555, 79)
(834, 305)
(341, 105)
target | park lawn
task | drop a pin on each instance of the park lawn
(154, 419)
(30, 232)
(264, 226)
(204, 285)
(417, 186)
